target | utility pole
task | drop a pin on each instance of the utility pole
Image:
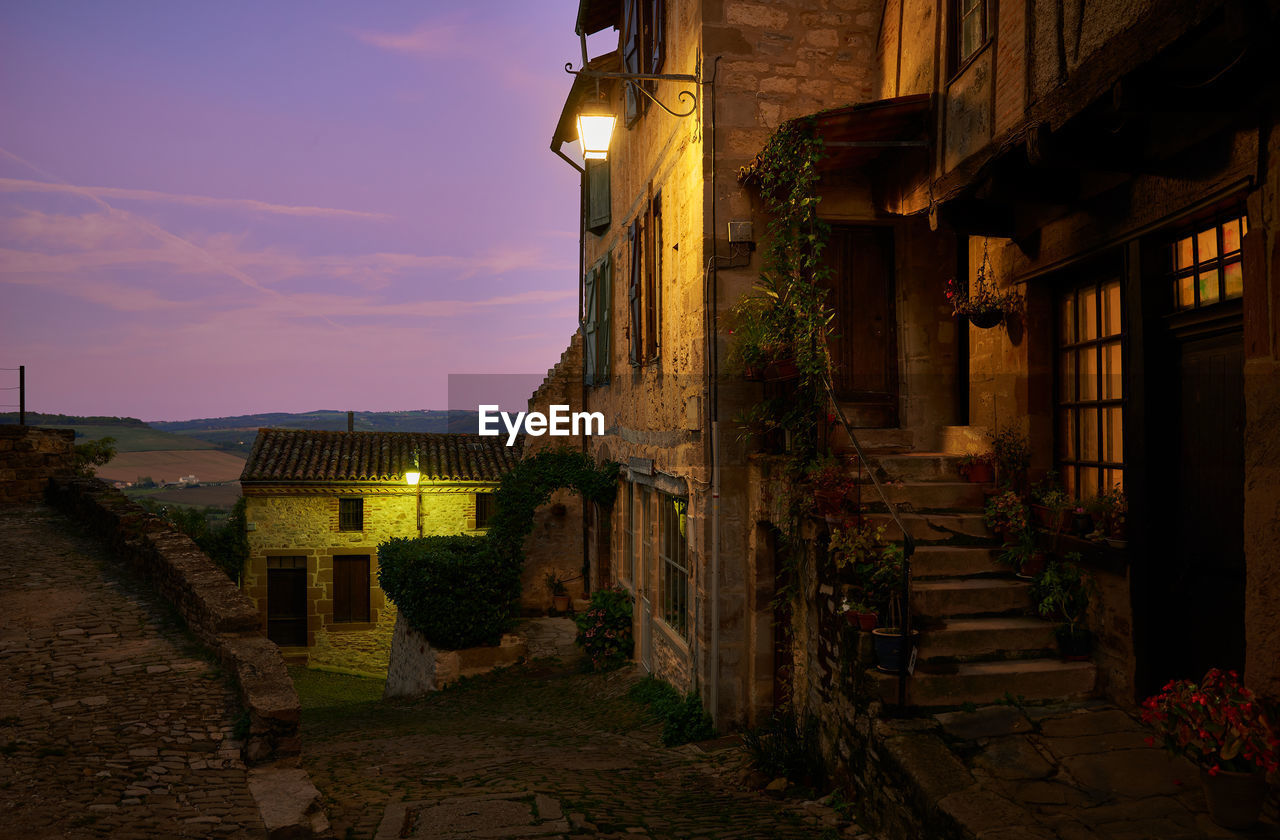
(22, 395)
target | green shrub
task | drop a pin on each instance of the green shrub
(787, 746)
(683, 717)
(452, 590)
(604, 630)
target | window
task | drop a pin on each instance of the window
(484, 509)
(970, 28)
(351, 588)
(597, 283)
(598, 204)
(643, 47)
(673, 547)
(1090, 383)
(645, 286)
(350, 514)
(1208, 266)
(645, 561)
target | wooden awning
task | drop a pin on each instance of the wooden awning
(855, 135)
(594, 15)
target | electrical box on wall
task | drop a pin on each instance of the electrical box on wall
(741, 233)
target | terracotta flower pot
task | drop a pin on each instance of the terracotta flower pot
(560, 602)
(867, 621)
(1034, 565)
(781, 370)
(979, 472)
(1235, 799)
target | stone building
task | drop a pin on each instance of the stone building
(1116, 164)
(317, 506)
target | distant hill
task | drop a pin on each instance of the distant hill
(35, 418)
(236, 434)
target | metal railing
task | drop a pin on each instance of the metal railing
(908, 545)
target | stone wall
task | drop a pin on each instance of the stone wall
(303, 522)
(415, 667)
(29, 457)
(555, 543)
(213, 608)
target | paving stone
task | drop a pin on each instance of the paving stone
(1135, 773)
(1013, 757)
(1105, 742)
(986, 722)
(1083, 722)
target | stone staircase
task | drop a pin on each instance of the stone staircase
(980, 637)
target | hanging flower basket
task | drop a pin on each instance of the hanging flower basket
(986, 319)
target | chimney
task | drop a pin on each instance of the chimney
(351, 421)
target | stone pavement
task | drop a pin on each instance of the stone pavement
(1064, 772)
(111, 722)
(539, 750)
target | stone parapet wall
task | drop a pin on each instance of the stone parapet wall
(215, 610)
(29, 457)
(417, 668)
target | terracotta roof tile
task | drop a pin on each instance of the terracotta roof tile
(304, 455)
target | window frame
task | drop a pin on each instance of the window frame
(355, 600)
(350, 521)
(1218, 263)
(959, 59)
(1071, 403)
(674, 577)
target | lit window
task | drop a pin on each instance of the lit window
(1208, 266)
(971, 28)
(1090, 388)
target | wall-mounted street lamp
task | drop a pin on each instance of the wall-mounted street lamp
(413, 477)
(596, 120)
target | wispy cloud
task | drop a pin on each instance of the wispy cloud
(18, 185)
(424, 39)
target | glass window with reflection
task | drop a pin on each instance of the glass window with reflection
(1090, 388)
(1208, 266)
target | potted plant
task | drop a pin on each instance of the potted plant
(832, 484)
(1109, 509)
(859, 614)
(1006, 515)
(1062, 591)
(1082, 521)
(1229, 732)
(978, 468)
(1012, 455)
(984, 305)
(885, 583)
(1051, 504)
(559, 592)
(1022, 554)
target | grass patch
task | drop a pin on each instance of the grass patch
(684, 719)
(325, 690)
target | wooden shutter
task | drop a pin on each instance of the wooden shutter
(632, 56)
(653, 277)
(589, 327)
(634, 294)
(656, 25)
(351, 588)
(604, 283)
(599, 200)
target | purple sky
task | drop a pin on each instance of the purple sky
(222, 208)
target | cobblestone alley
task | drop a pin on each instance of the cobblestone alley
(111, 722)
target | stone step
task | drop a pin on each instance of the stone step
(969, 596)
(873, 441)
(932, 527)
(921, 466)
(944, 561)
(868, 415)
(955, 496)
(987, 682)
(989, 638)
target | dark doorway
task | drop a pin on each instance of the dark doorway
(864, 350)
(783, 631)
(1204, 503)
(287, 601)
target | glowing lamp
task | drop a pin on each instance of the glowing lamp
(595, 129)
(412, 477)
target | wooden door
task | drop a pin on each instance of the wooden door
(287, 601)
(1206, 505)
(864, 348)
